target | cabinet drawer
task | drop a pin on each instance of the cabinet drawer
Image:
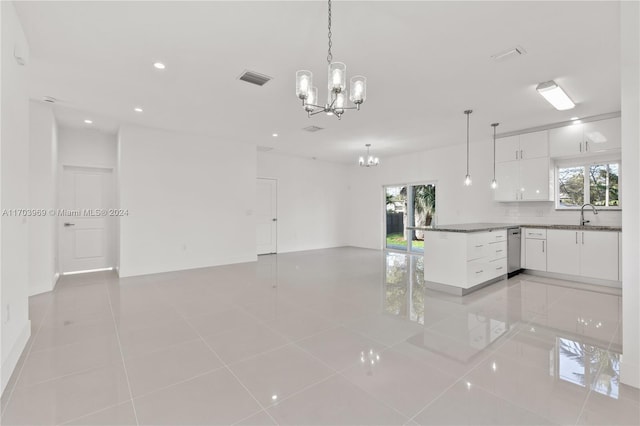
(477, 247)
(496, 268)
(538, 234)
(477, 272)
(497, 250)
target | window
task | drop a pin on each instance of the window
(596, 183)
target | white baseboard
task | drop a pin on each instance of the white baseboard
(14, 356)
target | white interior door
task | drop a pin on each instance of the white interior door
(86, 241)
(266, 217)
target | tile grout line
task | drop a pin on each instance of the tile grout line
(229, 370)
(25, 361)
(124, 364)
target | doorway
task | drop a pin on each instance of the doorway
(266, 216)
(86, 229)
(408, 209)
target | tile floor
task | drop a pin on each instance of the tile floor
(328, 337)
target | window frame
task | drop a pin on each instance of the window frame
(586, 163)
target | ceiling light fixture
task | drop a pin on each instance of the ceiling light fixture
(336, 85)
(370, 159)
(88, 121)
(555, 95)
(467, 178)
(138, 109)
(275, 135)
(159, 65)
(494, 182)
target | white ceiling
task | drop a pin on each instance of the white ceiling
(425, 62)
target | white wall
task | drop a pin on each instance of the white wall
(455, 203)
(14, 194)
(43, 165)
(87, 148)
(630, 35)
(190, 201)
(313, 201)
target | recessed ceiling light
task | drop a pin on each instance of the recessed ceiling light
(88, 121)
(275, 135)
(137, 109)
(159, 65)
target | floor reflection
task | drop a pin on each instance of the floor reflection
(577, 328)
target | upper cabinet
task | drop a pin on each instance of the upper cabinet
(522, 168)
(522, 147)
(591, 138)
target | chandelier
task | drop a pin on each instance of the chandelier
(336, 84)
(370, 159)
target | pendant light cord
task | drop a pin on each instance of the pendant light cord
(329, 54)
(468, 112)
(495, 126)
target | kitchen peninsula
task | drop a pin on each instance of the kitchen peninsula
(462, 258)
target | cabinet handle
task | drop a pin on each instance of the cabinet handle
(521, 154)
(580, 146)
(498, 251)
(586, 146)
(480, 245)
(516, 154)
(576, 238)
(498, 268)
(583, 238)
(479, 272)
(543, 246)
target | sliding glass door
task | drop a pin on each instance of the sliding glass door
(408, 209)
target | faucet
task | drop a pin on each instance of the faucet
(582, 221)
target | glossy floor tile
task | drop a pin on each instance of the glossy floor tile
(342, 336)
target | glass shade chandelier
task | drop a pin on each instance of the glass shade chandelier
(370, 160)
(336, 85)
(494, 182)
(467, 178)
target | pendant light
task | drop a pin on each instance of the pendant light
(494, 183)
(336, 85)
(467, 178)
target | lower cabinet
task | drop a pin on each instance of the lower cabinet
(564, 252)
(591, 254)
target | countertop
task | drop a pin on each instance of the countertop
(485, 227)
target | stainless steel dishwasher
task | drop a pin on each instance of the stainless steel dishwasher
(513, 250)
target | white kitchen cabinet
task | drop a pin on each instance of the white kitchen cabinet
(524, 180)
(462, 260)
(602, 136)
(591, 254)
(507, 149)
(535, 249)
(599, 255)
(585, 139)
(522, 147)
(563, 252)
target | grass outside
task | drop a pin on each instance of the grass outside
(398, 240)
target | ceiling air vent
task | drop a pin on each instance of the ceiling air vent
(514, 52)
(254, 78)
(312, 129)
(264, 148)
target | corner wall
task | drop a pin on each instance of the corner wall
(190, 201)
(630, 54)
(43, 165)
(313, 201)
(14, 194)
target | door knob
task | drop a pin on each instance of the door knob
(69, 224)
